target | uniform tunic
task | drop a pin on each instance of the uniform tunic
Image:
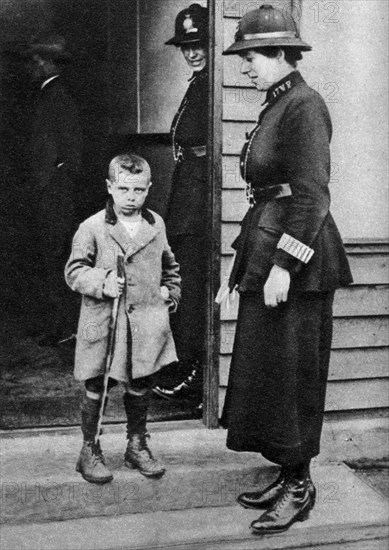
(186, 216)
(276, 390)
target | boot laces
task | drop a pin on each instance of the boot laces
(96, 452)
(284, 498)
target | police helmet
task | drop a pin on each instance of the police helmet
(191, 26)
(264, 27)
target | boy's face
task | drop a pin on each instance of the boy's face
(129, 192)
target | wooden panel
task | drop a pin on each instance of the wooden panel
(366, 270)
(234, 204)
(342, 396)
(356, 332)
(236, 9)
(345, 364)
(242, 104)
(231, 173)
(370, 269)
(357, 394)
(234, 136)
(349, 302)
(229, 233)
(367, 246)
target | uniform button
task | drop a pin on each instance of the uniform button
(130, 308)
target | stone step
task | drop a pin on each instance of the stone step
(39, 481)
(348, 515)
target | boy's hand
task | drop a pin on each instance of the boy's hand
(113, 285)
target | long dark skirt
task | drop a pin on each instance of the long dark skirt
(277, 384)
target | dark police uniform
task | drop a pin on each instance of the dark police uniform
(186, 216)
(276, 391)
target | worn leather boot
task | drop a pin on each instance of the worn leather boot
(293, 504)
(91, 463)
(138, 454)
(267, 497)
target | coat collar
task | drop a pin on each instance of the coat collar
(146, 233)
(283, 87)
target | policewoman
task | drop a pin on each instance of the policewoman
(289, 261)
(186, 214)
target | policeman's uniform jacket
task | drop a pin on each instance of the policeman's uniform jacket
(143, 341)
(287, 155)
(188, 198)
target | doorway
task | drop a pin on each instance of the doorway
(127, 86)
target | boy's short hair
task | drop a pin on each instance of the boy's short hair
(128, 162)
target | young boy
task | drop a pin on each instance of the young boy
(150, 291)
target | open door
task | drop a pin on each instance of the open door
(128, 86)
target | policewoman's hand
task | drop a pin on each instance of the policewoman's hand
(277, 286)
(113, 285)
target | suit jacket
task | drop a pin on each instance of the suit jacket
(149, 264)
(55, 146)
(291, 145)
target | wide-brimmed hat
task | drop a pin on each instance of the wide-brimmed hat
(50, 46)
(266, 26)
(191, 26)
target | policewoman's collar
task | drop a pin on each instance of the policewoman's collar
(282, 87)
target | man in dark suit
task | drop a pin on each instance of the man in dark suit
(54, 158)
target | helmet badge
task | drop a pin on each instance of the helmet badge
(188, 24)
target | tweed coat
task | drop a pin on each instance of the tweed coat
(290, 145)
(149, 264)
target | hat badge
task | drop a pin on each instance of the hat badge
(188, 24)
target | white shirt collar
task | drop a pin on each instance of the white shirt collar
(48, 80)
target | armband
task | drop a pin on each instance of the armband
(295, 248)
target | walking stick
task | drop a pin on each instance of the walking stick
(110, 346)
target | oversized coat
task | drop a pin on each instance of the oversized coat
(143, 340)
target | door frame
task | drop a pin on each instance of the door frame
(214, 171)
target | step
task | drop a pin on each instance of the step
(348, 515)
(39, 481)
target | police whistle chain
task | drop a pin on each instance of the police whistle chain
(110, 346)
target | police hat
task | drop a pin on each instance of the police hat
(50, 46)
(264, 27)
(191, 26)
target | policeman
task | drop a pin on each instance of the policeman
(187, 206)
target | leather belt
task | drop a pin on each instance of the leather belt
(199, 151)
(272, 192)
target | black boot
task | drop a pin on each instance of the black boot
(138, 455)
(267, 497)
(190, 387)
(293, 504)
(91, 464)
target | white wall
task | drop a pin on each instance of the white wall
(348, 66)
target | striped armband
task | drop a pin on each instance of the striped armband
(295, 248)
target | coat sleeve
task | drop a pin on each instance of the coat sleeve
(307, 133)
(171, 273)
(80, 272)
